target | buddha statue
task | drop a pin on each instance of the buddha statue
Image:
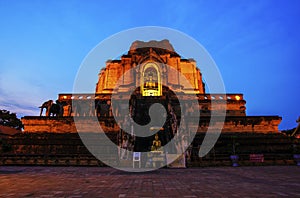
(156, 144)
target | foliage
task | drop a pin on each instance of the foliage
(288, 132)
(10, 120)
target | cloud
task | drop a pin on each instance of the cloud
(20, 95)
(19, 109)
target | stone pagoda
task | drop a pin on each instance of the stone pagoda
(143, 73)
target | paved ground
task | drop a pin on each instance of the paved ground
(263, 181)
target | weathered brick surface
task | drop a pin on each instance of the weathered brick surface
(259, 124)
(37, 124)
(274, 181)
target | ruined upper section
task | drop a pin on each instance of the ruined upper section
(152, 66)
(160, 47)
(163, 44)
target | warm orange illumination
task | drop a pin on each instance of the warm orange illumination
(237, 97)
(64, 97)
(150, 83)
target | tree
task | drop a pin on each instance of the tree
(10, 120)
(288, 132)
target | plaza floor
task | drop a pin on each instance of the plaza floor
(259, 181)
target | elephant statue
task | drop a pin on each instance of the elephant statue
(53, 109)
(82, 108)
(46, 105)
(103, 108)
(57, 109)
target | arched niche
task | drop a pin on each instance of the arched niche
(151, 80)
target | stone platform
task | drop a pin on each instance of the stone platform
(252, 124)
(66, 149)
(271, 181)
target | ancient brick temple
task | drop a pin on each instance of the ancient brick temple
(149, 81)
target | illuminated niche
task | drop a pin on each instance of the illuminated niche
(151, 80)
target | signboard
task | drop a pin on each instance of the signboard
(136, 158)
(256, 157)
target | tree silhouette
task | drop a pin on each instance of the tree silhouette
(10, 120)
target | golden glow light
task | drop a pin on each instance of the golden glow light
(237, 97)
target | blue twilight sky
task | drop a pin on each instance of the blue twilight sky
(256, 45)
